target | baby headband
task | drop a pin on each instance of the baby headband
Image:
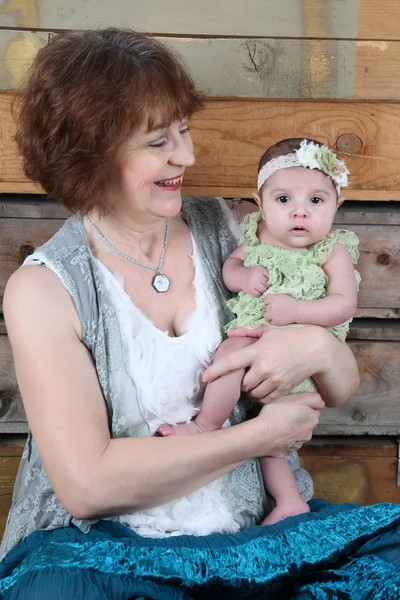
(312, 156)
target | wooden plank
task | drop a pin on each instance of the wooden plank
(367, 213)
(255, 68)
(360, 329)
(354, 470)
(352, 213)
(12, 445)
(14, 427)
(379, 255)
(19, 187)
(378, 313)
(355, 479)
(18, 239)
(380, 195)
(12, 414)
(379, 262)
(26, 207)
(360, 446)
(369, 63)
(375, 409)
(230, 136)
(8, 472)
(27, 187)
(287, 18)
(11, 169)
(375, 329)
(379, 21)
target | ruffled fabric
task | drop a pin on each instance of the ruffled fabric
(172, 394)
(342, 551)
(296, 273)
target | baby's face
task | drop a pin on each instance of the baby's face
(298, 206)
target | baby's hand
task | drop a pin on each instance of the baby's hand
(255, 281)
(280, 309)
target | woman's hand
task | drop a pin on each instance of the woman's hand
(277, 362)
(282, 358)
(288, 423)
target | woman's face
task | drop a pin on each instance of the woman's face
(151, 166)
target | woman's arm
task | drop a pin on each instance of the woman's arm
(283, 358)
(91, 473)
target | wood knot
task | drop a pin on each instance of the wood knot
(25, 250)
(384, 259)
(349, 143)
(6, 399)
(357, 416)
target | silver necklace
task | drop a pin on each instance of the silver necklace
(160, 281)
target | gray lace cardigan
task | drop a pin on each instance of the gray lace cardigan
(35, 505)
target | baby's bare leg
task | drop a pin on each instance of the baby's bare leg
(281, 484)
(220, 396)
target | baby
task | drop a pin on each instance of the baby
(290, 269)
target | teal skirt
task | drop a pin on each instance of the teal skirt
(335, 551)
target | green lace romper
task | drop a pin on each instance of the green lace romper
(296, 273)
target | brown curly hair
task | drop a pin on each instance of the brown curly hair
(86, 94)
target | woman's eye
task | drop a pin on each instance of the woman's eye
(316, 200)
(159, 144)
(185, 129)
(283, 199)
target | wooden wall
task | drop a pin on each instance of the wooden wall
(326, 69)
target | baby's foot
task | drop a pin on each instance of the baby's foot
(286, 509)
(181, 429)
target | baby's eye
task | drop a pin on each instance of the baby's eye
(316, 200)
(283, 199)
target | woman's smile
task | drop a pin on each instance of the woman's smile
(172, 184)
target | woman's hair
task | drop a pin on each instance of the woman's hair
(86, 94)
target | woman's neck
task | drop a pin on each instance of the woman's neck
(131, 235)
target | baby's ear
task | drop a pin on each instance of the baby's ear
(257, 199)
(340, 201)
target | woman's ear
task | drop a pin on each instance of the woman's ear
(257, 199)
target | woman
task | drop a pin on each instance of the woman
(112, 323)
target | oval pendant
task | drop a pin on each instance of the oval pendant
(161, 283)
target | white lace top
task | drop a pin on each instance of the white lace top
(171, 393)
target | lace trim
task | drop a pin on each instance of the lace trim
(311, 156)
(323, 248)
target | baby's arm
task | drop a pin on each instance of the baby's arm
(237, 277)
(339, 305)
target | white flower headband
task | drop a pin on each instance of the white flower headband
(312, 156)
